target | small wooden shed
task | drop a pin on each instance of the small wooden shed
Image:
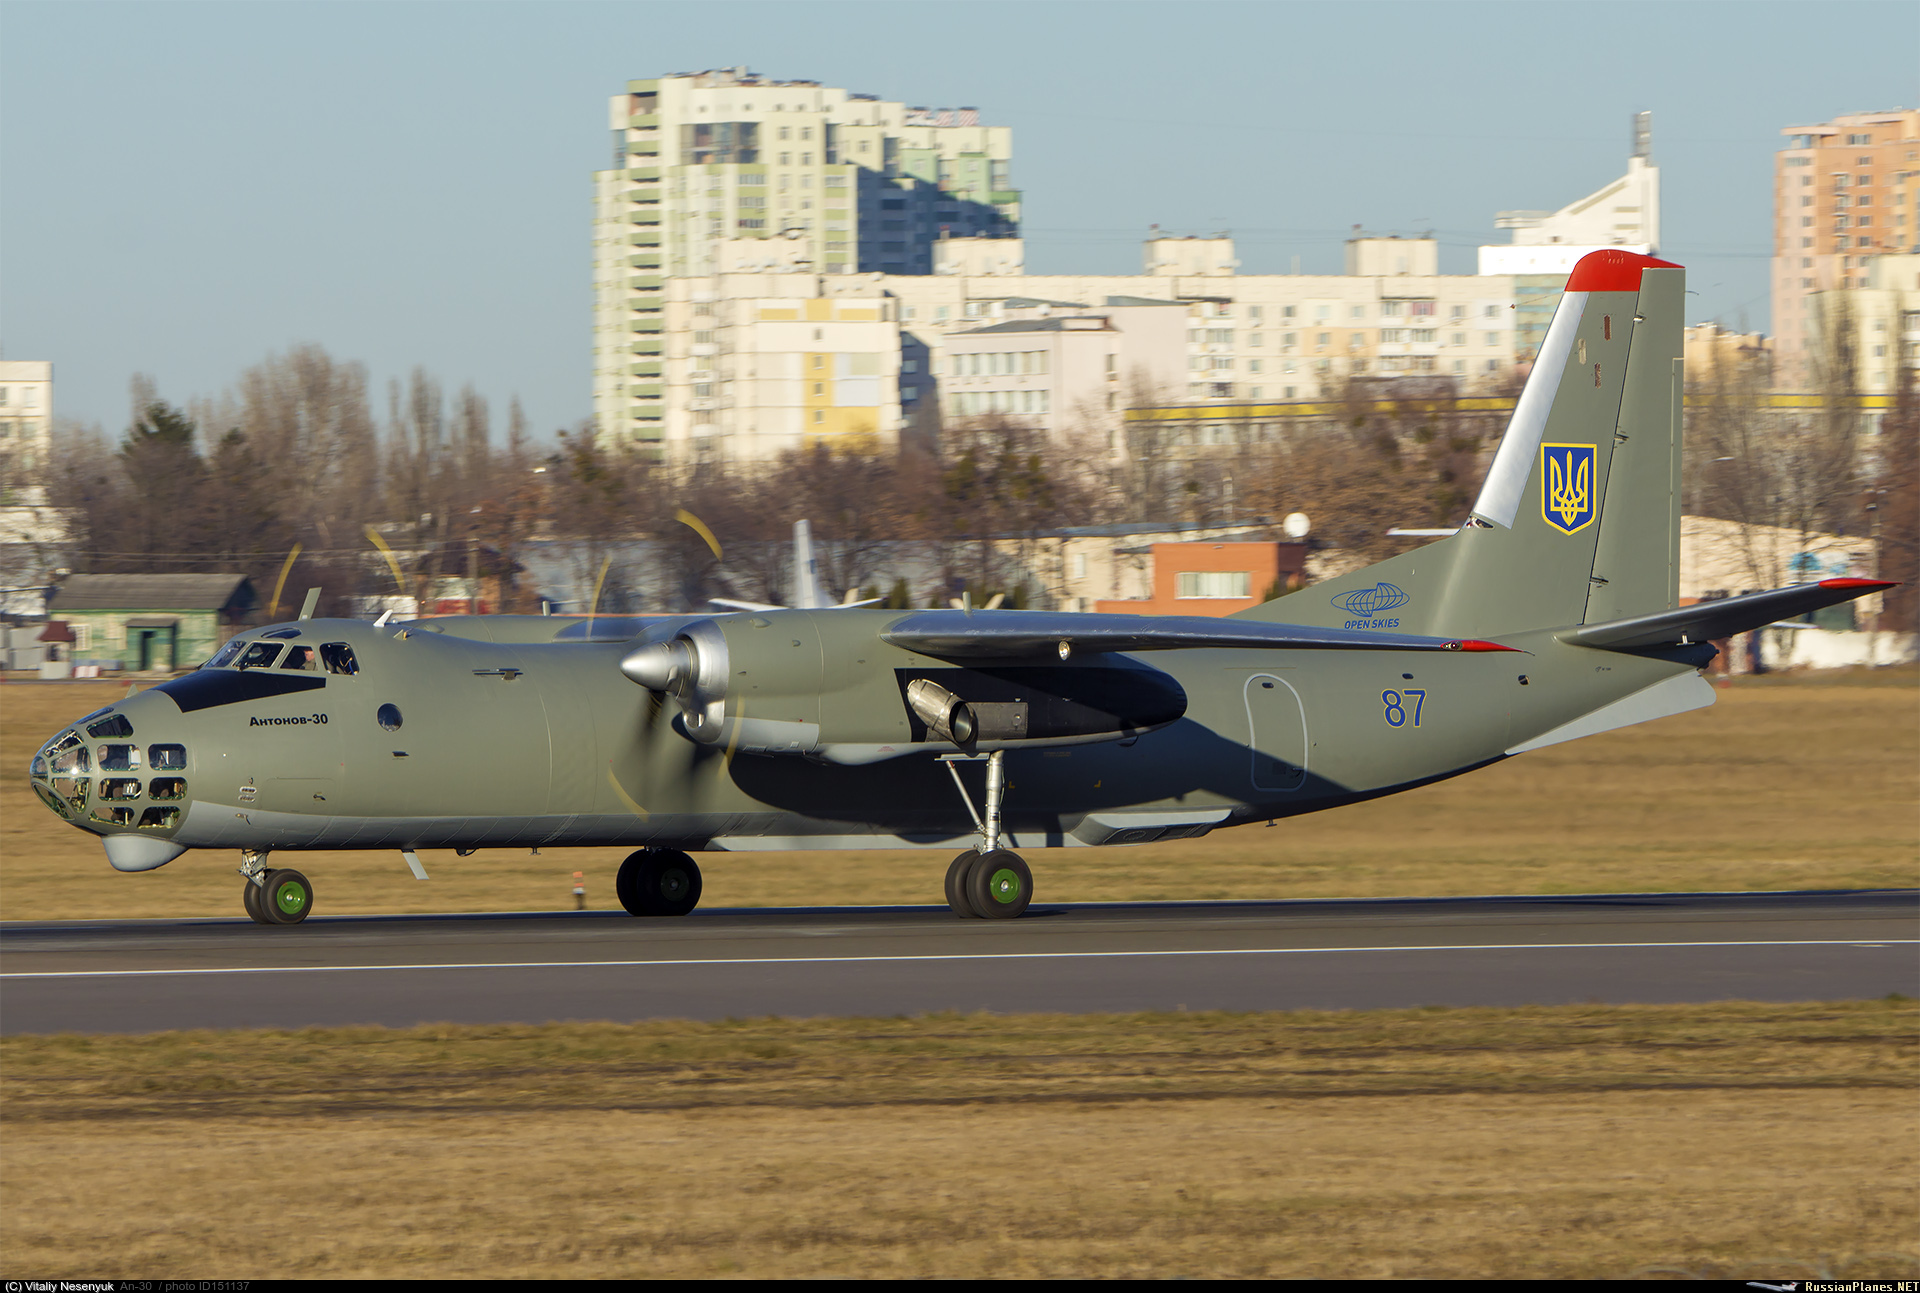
(152, 621)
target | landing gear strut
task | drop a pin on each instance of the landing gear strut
(988, 882)
(658, 882)
(273, 897)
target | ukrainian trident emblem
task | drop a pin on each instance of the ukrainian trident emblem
(1566, 486)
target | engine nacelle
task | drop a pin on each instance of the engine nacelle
(692, 668)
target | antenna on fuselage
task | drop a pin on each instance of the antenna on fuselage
(307, 607)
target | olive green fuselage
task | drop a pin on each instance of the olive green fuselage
(537, 742)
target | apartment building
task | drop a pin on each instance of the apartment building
(26, 426)
(753, 365)
(1844, 195)
(1880, 317)
(1256, 336)
(1052, 364)
(782, 263)
(719, 171)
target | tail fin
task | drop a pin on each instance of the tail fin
(1579, 518)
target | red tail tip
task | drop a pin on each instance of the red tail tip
(1611, 270)
(1475, 644)
(1859, 583)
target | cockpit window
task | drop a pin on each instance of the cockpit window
(115, 726)
(167, 757)
(338, 657)
(119, 758)
(282, 634)
(227, 653)
(299, 657)
(260, 655)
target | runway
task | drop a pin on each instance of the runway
(144, 976)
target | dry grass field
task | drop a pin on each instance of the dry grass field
(1726, 1141)
(1789, 782)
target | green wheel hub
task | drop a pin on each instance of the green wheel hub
(1004, 885)
(291, 898)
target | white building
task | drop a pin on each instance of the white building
(26, 426)
(1050, 363)
(718, 171)
(757, 364)
(1624, 214)
(1882, 318)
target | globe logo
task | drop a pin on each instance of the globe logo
(1368, 602)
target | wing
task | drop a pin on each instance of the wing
(999, 634)
(1705, 621)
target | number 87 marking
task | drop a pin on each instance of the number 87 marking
(1396, 703)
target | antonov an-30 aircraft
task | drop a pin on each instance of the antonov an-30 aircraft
(1550, 615)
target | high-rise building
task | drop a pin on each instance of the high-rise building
(1843, 195)
(1547, 244)
(723, 171)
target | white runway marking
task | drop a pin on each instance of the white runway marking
(943, 956)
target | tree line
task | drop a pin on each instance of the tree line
(293, 455)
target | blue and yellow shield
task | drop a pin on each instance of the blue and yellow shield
(1566, 486)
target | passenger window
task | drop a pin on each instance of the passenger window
(167, 758)
(338, 657)
(226, 654)
(260, 655)
(119, 758)
(300, 657)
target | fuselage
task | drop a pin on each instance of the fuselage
(340, 734)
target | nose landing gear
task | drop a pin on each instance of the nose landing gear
(988, 882)
(273, 897)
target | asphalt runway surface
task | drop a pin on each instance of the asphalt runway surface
(144, 976)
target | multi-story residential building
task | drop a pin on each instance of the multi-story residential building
(1880, 317)
(889, 232)
(1258, 336)
(1546, 244)
(1049, 363)
(722, 170)
(1843, 196)
(1109, 342)
(26, 426)
(1712, 351)
(756, 364)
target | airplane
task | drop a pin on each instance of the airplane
(1552, 614)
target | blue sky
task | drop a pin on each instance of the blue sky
(189, 187)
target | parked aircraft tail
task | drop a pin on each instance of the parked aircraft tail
(1578, 521)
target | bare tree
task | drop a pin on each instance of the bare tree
(1784, 476)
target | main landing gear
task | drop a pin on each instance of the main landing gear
(989, 882)
(273, 897)
(658, 882)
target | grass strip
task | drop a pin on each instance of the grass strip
(959, 1059)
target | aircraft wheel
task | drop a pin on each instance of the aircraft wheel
(287, 899)
(999, 885)
(658, 882)
(957, 884)
(250, 899)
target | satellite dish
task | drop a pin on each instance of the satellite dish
(1296, 525)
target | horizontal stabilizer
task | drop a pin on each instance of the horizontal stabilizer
(1705, 621)
(1001, 634)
